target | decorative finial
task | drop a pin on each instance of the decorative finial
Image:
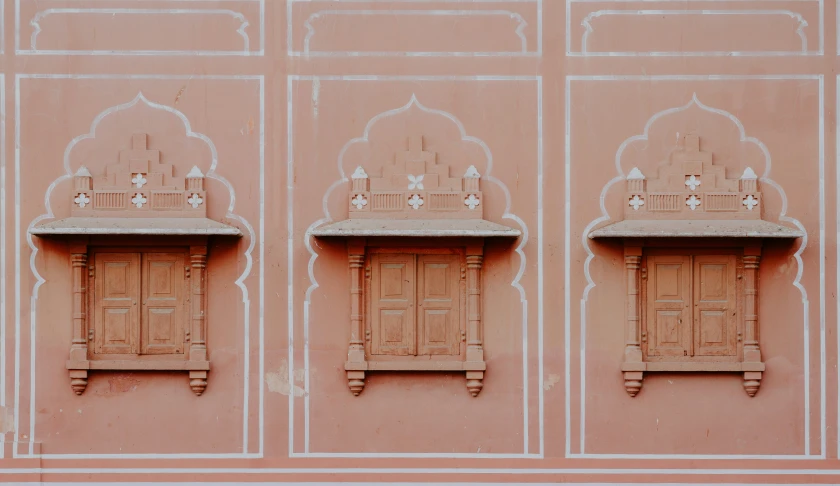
(635, 174)
(83, 172)
(749, 175)
(359, 173)
(195, 173)
(472, 173)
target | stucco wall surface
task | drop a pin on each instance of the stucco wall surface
(552, 102)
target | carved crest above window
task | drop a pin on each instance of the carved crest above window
(692, 306)
(139, 304)
(138, 194)
(416, 186)
(415, 306)
(415, 196)
(692, 197)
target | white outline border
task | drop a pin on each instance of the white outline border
(261, 316)
(567, 289)
(34, 51)
(307, 53)
(290, 255)
(582, 53)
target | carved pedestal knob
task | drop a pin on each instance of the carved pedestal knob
(633, 382)
(78, 381)
(356, 382)
(474, 386)
(752, 381)
(632, 387)
(475, 382)
(198, 382)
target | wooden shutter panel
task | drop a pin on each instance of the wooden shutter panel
(669, 299)
(438, 312)
(392, 314)
(116, 293)
(163, 313)
(715, 312)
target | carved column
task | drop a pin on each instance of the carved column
(753, 366)
(633, 367)
(474, 364)
(78, 346)
(356, 364)
(196, 335)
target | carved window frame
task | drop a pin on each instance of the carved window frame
(83, 359)
(693, 205)
(415, 203)
(470, 358)
(137, 202)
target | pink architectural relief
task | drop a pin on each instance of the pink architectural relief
(415, 302)
(416, 186)
(139, 185)
(692, 307)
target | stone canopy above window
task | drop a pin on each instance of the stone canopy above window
(415, 245)
(691, 197)
(139, 303)
(139, 195)
(692, 305)
(415, 197)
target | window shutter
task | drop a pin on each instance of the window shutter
(116, 315)
(669, 298)
(163, 311)
(438, 311)
(715, 311)
(392, 313)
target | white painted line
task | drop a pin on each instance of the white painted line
(33, 50)
(581, 52)
(211, 173)
(313, 255)
(783, 217)
(523, 52)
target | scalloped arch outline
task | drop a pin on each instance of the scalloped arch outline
(764, 178)
(68, 173)
(413, 102)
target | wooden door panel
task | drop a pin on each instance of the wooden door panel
(116, 294)
(393, 290)
(668, 309)
(164, 316)
(438, 326)
(715, 312)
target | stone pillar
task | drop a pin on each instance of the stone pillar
(356, 364)
(79, 346)
(633, 366)
(752, 353)
(474, 364)
(197, 332)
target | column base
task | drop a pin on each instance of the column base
(78, 381)
(198, 382)
(633, 382)
(752, 381)
(356, 382)
(475, 382)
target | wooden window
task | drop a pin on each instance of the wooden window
(691, 307)
(139, 303)
(692, 310)
(414, 304)
(139, 308)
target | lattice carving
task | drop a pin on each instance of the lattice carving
(139, 185)
(415, 186)
(692, 187)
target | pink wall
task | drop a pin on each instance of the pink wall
(553, 102)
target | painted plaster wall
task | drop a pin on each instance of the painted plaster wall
(552, 101)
